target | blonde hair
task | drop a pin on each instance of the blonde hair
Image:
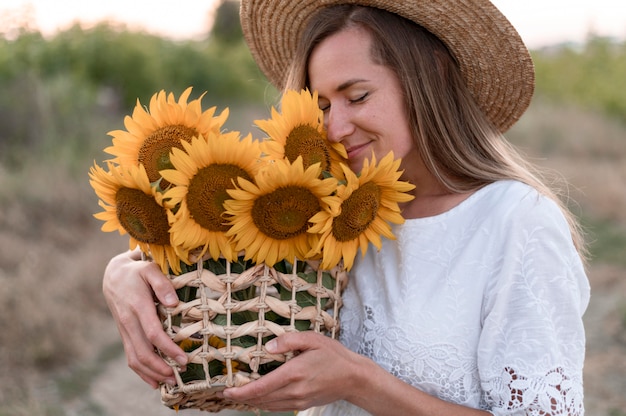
(457, 142)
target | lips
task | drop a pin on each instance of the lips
(353, 151)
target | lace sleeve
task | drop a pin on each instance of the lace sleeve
(532, 345)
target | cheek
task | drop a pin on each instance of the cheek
(403, 148)
(398, 134)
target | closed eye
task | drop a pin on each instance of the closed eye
(360, 99)
(325, 107)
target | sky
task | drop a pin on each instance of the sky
(539, 22)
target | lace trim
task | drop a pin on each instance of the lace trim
(447, 371)
(554, 394)
(443, 370)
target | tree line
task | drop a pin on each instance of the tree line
(591, 75)
(66, 88)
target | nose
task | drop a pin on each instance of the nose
(338, 124)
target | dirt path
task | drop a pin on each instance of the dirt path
(118, 391)
(605, 363)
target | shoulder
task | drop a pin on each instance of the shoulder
(512, 204)
(527, 234)
(491, 220)
(533, 239)
(510, 195)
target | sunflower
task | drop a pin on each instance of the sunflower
(360, 211)
(270, 219)
(299, 132)
(131, 205)
(204, 172)
(150, 135)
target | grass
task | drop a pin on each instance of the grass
(78, 381)
(607, 241)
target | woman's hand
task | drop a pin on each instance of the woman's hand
(130, 287)
(320, 373)
(325, 371)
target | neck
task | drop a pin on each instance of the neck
(431, 198)
(429, 206)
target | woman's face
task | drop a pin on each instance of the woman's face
(362, 101)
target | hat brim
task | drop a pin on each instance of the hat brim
(492, 57)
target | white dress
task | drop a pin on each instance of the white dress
(481, 306)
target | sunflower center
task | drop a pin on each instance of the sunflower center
(154, 153)
(207, 193)
(307, 142)
(285, 212)
(357, 212)
(142, 217)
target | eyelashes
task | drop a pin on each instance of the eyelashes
(360, 99)
(326, 106)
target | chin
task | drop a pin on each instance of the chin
(356, 165)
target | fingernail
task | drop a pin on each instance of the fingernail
(170, 299)
(170, 382)
(181, 359)
(271, 346)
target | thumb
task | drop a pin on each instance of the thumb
(161, 285)
(294, 341)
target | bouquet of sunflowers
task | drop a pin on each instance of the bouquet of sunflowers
(257, 236)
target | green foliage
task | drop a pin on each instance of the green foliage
(135, 64)
(59, 118)
(590, 75)
(226, 28)
(61, 95)
(607, 240)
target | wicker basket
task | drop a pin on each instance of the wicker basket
(225, 318)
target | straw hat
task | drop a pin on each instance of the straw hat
(493, 58)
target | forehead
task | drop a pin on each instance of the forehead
(345, 53)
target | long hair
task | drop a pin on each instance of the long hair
(457, 142)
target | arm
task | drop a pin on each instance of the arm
(130, 287)
(532, 346)
(325, 371)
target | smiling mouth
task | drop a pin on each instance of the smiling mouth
(355, 149)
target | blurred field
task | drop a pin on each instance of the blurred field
(61, 353)
(58, 337)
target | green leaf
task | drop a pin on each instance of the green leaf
(302, 325)
(194, 372)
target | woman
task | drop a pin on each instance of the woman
(477, 306)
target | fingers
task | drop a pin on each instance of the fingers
(301, 382)
(155, 336)
(281, 389)
(258, 392)
(127, 266)
(150, 325)
(139, 348)
(295, 341)
(129, 287)
(142, 360)
(160, 284)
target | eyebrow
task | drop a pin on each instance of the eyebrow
(350, 83)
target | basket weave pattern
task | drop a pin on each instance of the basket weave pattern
(219, 295)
